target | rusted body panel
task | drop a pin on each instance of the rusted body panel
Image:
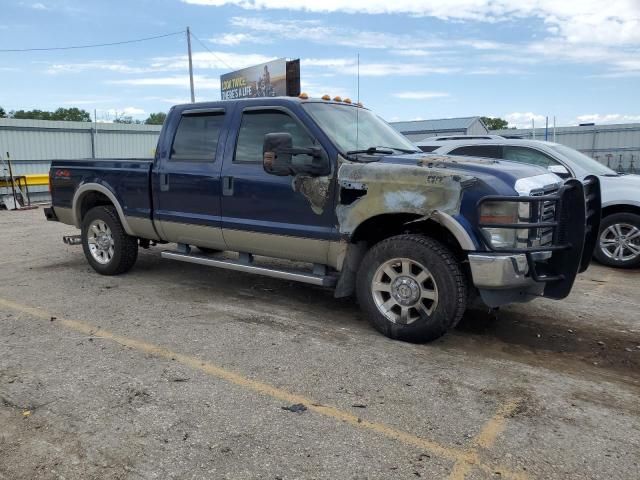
(393, 188)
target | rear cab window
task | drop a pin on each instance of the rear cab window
(485, 151)
(196, 138)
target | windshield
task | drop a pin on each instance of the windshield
(353, 128)
(582, 161)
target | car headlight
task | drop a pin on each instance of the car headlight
(505, 213)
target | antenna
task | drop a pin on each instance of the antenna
(358, 100)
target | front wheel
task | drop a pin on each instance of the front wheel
(412, 288)
(108, 248)
(619, 241)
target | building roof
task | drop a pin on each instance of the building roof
(438, 125)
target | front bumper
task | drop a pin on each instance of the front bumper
(499, 271)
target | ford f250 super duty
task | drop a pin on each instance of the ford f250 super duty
(329, 185)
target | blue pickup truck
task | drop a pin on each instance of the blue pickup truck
(345, 200)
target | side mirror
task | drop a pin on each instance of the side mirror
(278, 153)
(559, 170)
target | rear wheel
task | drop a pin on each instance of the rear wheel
(411, 288)
(107, 247)
(619, 241)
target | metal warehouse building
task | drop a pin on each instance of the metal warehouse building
(616, 145)
(32, 144)
(420, 129)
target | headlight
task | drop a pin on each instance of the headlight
(505, 213)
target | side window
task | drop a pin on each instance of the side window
(428, 148)
(254, 126)
(196, 138)
(528, 155)
(485, 151)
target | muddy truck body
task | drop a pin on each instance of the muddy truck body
(327, 193)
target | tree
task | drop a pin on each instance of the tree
(494, 123)
(126, 120)
(66, 114)
(3, 114)
(156, 118)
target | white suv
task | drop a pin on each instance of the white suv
(619, 239)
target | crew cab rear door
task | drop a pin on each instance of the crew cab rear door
(186, 178)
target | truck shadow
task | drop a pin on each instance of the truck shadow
(519, 333)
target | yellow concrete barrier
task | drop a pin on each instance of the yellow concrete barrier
(33, 179)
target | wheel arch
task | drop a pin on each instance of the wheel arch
(612, 209)
(438, 225)
(91, 195)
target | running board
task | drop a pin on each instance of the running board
(72, 239)
(250, 267)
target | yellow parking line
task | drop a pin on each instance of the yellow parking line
(466, 459)
(485, 439)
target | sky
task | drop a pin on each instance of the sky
(577, 60)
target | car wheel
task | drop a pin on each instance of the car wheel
(619, 241)
(412, 288)
(107, 247)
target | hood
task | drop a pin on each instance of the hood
(482, 168)
(624, 189)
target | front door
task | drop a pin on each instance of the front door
(267, 214)
(187, 181)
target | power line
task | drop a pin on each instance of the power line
(207, 48)
(75, 47)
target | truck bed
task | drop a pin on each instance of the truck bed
(128, 179)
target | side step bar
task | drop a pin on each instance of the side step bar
(72, 239)
(249, 267)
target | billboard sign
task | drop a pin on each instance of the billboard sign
(271, 79)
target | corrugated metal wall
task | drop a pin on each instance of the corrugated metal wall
(32, 144)
(617, 146)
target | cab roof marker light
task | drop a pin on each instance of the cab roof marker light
(326, 97)
(303, 96)
(337, 99)
(347, 100)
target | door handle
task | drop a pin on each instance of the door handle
(164, 182)
(227, 186)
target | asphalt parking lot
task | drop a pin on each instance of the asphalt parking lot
(180, 371)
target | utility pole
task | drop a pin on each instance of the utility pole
(193, 95)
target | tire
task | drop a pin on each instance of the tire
(619, 241)
(439, 301)
(107, 247)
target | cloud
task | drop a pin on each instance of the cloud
(577, 21)
(39, 6)
(118, 67)
(201, 82)
(231, 39)
(205, 60)
(349, 66)
(412, 52)
(607, 118)
(420, 95)
(523, 119)
(318, 32)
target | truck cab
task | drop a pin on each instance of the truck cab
(414, 236)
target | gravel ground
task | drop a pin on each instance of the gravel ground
(182, 371)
